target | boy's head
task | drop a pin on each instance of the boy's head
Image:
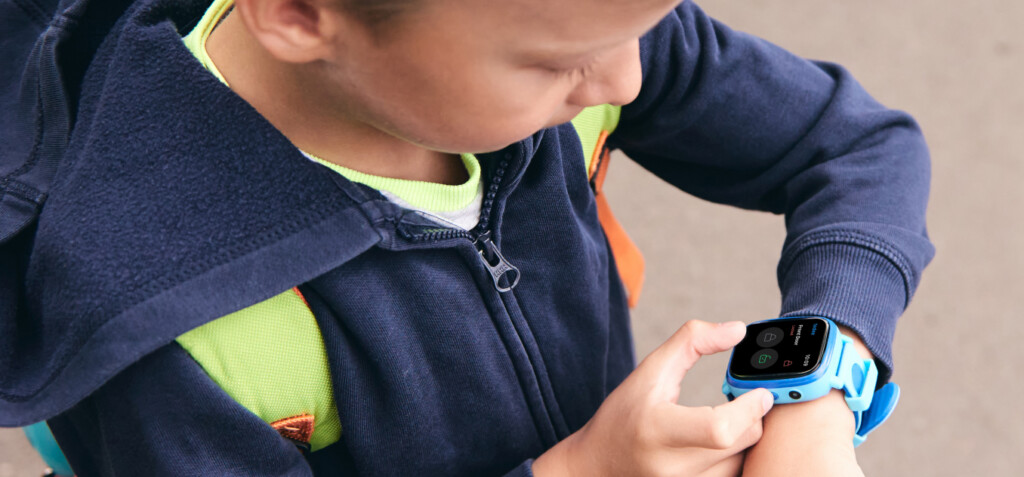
(457, 75)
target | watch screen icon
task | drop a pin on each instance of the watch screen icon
(764, 358)
(770, 337)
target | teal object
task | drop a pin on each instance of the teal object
(41, 438)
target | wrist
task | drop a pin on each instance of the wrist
(558, 460)
(805, 439)
(811, 438)
(858, 344)
(828, 417)
(824, 418)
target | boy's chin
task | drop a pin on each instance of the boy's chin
(563, 118)
(495, 141)
(480, 145)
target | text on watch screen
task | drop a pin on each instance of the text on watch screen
(780, 348)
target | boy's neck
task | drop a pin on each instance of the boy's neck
(281, 95)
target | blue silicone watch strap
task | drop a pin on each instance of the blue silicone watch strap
(857, 378)
(881, 408)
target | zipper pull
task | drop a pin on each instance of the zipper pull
(495, 262)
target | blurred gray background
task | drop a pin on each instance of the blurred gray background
(955, 66)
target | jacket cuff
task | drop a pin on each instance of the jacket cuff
(852, 284)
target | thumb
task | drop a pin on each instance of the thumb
(719, 427)
(667, 365)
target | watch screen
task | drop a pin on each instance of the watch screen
(780, 349)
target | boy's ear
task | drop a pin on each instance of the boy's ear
(293, 31)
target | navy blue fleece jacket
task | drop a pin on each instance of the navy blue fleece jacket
(174, 203)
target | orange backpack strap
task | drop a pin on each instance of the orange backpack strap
(627, 255)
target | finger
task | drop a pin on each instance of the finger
(668, 364)
(718, 462)
(721, 427)
(728, 467)
(712, 459)
(750, 437)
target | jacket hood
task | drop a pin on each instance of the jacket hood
(169, 201)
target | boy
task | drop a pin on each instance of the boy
(342, 189)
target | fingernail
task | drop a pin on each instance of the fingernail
(767, 401)
(732, 324)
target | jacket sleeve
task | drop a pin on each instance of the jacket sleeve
(165, 416)
(733, 119)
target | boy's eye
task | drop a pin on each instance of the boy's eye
(564, 71)
(573, 71)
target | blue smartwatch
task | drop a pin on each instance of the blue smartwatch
(802, 358)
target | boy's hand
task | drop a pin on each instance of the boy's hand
(812, 438)
(640, 430)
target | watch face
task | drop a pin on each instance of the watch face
(780, 349)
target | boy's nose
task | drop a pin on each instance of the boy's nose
(614, 80)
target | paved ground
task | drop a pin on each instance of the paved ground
(955, 66)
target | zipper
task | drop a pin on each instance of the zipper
(500, 269)
(496, 263)
(505, 277)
